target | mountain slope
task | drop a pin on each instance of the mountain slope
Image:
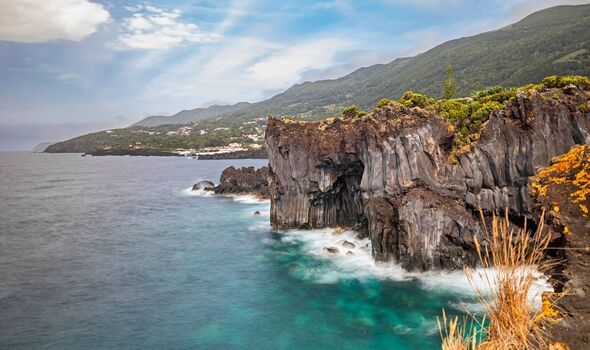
(551, 41)
(554, 41)
(192, 115)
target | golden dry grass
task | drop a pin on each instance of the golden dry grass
(511, 259)
(456, 336)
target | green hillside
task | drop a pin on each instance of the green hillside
(548, 42)
(554, 41)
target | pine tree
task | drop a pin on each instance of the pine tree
(450, 87)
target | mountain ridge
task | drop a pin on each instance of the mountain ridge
(553, 41)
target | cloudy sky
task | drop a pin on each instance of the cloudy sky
(74, 66)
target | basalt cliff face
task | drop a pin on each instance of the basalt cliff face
(388, 173)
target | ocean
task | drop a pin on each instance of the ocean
(118, 253)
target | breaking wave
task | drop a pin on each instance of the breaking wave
(197, 193)
(356, 262)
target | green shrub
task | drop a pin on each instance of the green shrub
(486, 92)
(453, 110)
(412, 99)
(384, 102)
(529, 87)
(481, 114)
(350, 112)
(555, 81)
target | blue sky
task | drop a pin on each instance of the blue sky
(74, 66)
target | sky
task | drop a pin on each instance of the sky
(69, 67)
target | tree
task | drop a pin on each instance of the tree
(450, 87)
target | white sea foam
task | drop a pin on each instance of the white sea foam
(248, 199)
(361, 265)
(197, 193)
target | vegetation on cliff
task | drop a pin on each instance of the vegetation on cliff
(563, 191)
(568, 179)
(466, 116)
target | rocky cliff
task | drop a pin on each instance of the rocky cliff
(388, 173)
(245, 180)
(562, 190)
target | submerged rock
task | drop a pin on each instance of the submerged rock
(203, 185)
(349, 253)
(390, 173)
(347, 244)
(257, 213)
(332, 250)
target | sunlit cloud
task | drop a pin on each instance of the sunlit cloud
(37, 21)
(150, 27)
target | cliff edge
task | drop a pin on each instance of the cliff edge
(404, 175)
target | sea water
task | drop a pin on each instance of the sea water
(118, 253)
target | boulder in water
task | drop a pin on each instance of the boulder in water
(349, 253)
(332, 250)
(246, 180)
(347, 244)
(203, 186)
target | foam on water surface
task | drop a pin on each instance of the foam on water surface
(361, 265)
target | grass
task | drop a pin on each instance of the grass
(515, 256)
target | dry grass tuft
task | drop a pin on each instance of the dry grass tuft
(511, 260)
(456, 336)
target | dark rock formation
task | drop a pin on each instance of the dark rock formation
(347, 244)
(246, 180)
(389, 172)
(332, 250)
(247, 154)
(204, 186)
(563, 192)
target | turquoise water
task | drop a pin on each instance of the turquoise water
(113, 253)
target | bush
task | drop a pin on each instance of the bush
(486, 92)
(453, 110)
(555, 81)
(384, 102)
(483, 111)
(350, 112)
(412, 99)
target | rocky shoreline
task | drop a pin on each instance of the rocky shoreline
(389, 172)
(239, 181)
(247, 154)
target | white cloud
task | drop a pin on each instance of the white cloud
(35, 21)
(241, 69)
(138, 22)
(154, 28)
(287, 65)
